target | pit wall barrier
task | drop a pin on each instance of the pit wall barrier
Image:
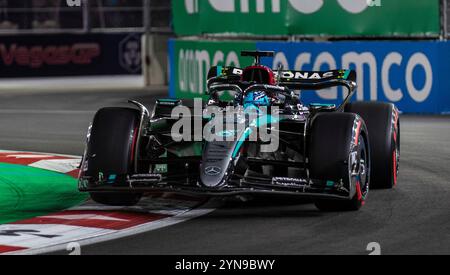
(413, 75)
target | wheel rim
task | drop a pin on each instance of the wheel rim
(360, 170)
(396, 160)
(396, 151)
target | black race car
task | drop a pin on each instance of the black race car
(332, 154)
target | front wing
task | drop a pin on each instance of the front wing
(247, 186)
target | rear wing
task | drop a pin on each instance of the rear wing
(316, 80)
(294, 80)
(291, 79)
(301, 80)
(231, 73)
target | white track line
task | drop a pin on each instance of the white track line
(188, 215)
(38, 153)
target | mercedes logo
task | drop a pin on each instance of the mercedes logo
(213, 170)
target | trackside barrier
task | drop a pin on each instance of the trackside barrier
(418, 18)
(413, 75)
(58, 55)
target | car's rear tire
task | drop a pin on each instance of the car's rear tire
(335, 138)
(110, 152)
(383, 124)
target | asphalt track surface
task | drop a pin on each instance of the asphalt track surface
(414, 218)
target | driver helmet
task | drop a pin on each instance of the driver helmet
(257, 98)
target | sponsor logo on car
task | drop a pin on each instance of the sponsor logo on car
(289, 182)
(213, 170)
(305, 75)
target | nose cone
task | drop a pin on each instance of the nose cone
(217, 158)
(213, 176)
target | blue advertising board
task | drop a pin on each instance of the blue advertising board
(413, 75)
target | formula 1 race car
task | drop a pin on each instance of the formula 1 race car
(253, 136)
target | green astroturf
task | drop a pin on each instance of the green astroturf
(27, 192)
